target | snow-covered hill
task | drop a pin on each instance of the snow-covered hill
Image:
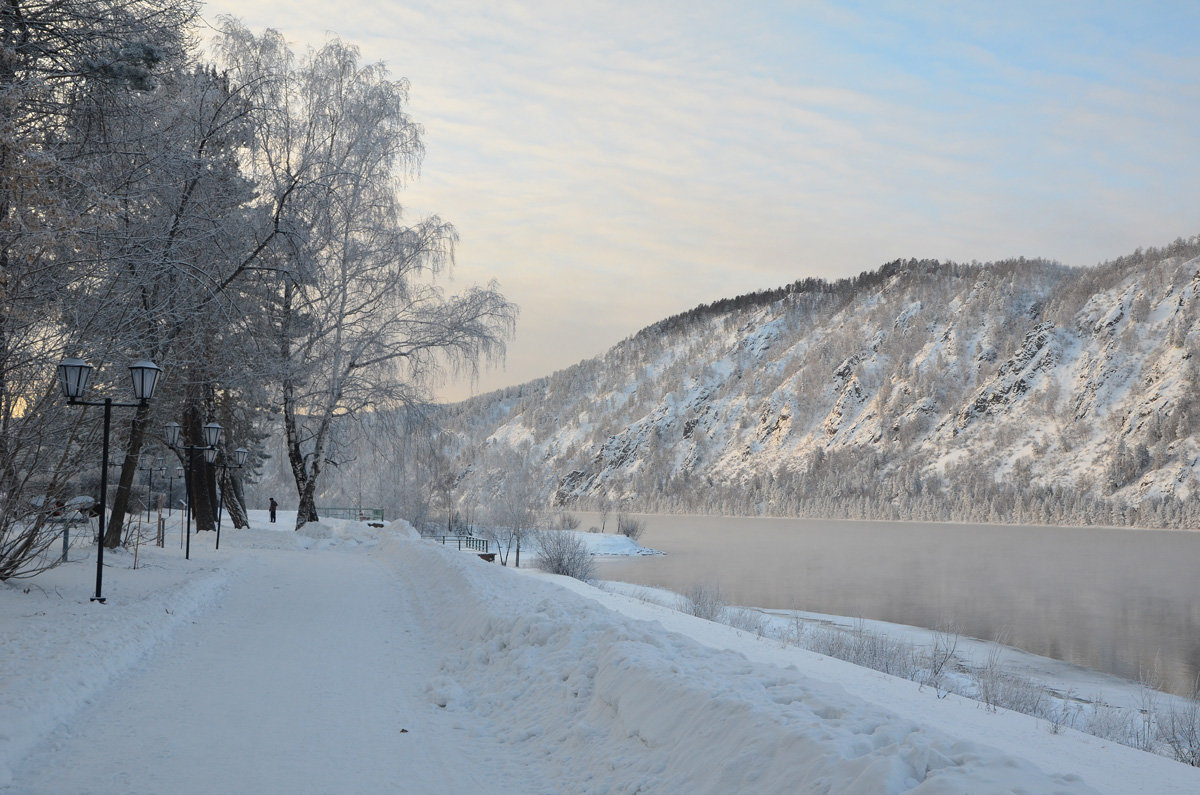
(1010, 391)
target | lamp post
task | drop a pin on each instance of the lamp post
(212, 437)
(171, 490)
(73, 377)
(142, 466)
(239, 460)
(150, 470)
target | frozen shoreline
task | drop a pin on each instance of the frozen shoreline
(1077, 695)
(1084, 684)
(1060, 676)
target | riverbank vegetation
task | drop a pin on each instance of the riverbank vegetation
(1159, 723)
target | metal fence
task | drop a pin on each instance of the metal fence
(468, 542)
(353, 514)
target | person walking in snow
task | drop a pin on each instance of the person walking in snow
(274, 505)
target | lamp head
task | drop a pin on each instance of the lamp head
(171, 433)
(73, 377)
(213, 433)
(145, 378)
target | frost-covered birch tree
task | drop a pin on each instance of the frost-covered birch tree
(516, 508)
(358, 320)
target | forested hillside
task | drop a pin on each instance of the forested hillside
(1016, 391)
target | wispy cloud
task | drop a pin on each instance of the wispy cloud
(612, 163)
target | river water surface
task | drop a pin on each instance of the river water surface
(1122, 601)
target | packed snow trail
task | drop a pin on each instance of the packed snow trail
(307, 676)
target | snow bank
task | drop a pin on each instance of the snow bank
(60, 649)
(535, 661)
(601, 544)
(614, 545)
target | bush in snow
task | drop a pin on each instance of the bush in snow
(629, 527)
(566, 521)
(868, 649)
(1004, 690)
(938, 656)
(1180, 730)
(702, 601)
(1108, 723)
(564, 552)
(747, 620)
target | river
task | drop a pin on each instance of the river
(1125, 602)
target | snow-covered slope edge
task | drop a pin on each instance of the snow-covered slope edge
(537, 662)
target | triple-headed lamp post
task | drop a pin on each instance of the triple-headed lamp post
(73, 377)
(212, 438)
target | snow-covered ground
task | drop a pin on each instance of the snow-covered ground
(612, 544)
(350, 659)
(600, 544)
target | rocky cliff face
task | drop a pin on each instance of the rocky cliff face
(1012, 391)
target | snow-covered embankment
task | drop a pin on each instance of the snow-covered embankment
(544, 683)
(551, 671)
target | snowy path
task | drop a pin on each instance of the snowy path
(310, 668)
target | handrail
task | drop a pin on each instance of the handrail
(353, 514)
(469, 542)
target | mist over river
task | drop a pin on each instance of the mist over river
(1122, 601)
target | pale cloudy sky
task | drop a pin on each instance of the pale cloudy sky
(612, 163)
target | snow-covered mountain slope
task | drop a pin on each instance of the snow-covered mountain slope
(1011, 391)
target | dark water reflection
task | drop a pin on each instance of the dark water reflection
(1121, 601)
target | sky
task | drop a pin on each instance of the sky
(614, 163)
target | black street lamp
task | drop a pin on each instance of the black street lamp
(171, 490)
(73, 377)
(239, 460)
(212, 437)
(150, 470)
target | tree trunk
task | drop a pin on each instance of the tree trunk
(203, 496)
(120, 505)
(306, 510)
(235, 499)
(305, 469)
